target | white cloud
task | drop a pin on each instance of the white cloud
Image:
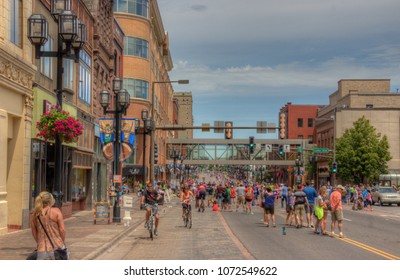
(222, 81)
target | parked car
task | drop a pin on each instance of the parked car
(385, 195)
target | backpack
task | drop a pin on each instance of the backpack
(224, 193)
(300, 199)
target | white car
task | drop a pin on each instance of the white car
(385, 195)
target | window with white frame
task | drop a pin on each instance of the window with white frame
(16, 22)
(85, 77)
(46, 63)
(68, 79)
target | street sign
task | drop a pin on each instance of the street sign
(300, 149)
(205, 127)
(286, 148)
(117, 179)
(268, 148)
(320, 150)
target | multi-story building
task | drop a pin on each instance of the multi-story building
(353, 99)
(77, 85)
(298, 121)
(147, 61)
(185, 116)
(16, 77)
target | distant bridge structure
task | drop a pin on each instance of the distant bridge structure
(235, 151)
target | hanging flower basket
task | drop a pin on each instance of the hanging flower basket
(58, 122)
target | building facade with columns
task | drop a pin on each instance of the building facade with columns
(16, 77)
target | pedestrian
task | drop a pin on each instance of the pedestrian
(311, 194)
(284, 195)
(233, 196)
(337, 210)
(248, 196)
(53, 223)
(240, 197)
(269, 205)
(300, 202)
(321, 206)
(290, 207)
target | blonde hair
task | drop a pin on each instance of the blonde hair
(322, 190)
(42, 200)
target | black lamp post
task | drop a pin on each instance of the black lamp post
(122, 102)
(72, 35)
(148, 126)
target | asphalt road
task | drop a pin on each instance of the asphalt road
(234, 235)
(368, 236)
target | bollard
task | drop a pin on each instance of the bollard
(283, 231)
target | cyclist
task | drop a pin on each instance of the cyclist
(201, 194)
(150, 198)
(185, 199)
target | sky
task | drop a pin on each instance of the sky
(246, 59)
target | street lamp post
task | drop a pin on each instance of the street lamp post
(148, 126)
(153, 132)
(72, 35)
(122, 102)
(332, 118)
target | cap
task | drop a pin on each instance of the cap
(340, 187)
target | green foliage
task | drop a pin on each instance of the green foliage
(361, 153)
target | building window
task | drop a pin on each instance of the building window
(68, 79)
(299, 136)
(299, 122)
(16, 22)
(370, 106)
(310, 138)
(135, 7)
(46, 63)
(137, 88)
(136, 47)
(85, 77)
(310, 122)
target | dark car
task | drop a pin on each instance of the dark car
(385, 195)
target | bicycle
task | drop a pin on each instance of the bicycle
(151, 224)
(187, 219)
(201, 206)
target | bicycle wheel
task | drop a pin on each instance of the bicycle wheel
(202, 206)
(190, 219)
(185, 220)
(151, 227)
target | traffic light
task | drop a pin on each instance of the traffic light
(251, 144)
(334, 167)
(155, 153)
(228, 130)
(281, 150)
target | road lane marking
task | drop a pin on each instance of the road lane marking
(235, 240)
(369, 248)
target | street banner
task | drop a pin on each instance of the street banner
(128, 130)
(106, 130)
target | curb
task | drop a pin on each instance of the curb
(96, 253)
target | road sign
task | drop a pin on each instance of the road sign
(320, 150)
(117, 179)
(286, 148)
(268, 148)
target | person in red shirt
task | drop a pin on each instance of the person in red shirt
(215, 206)
(336, 209)
(248, 196)
(201, 194)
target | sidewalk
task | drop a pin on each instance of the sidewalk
(84, 239)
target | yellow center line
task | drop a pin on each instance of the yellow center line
(361, 245)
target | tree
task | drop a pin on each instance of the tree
(361, 153)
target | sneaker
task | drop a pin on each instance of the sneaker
(156, 232)
(251, 213)
(332, 234)
(341, 235)
(145, 224)
(273, 225)
(312, 225)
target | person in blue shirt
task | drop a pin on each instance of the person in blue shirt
(268, 205)
(284, 195)
(311, 194)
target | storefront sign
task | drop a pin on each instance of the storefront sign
(117, 179)
(131, 170)
(127, 201)
(102, 212)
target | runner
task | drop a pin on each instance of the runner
(248, 196)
